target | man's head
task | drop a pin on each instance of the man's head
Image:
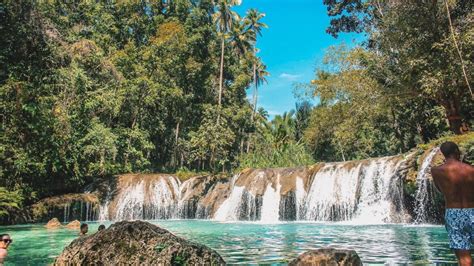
(84, 228)
(5, 241)
(450, 150)
(101, 227)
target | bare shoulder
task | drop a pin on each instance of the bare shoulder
(3, 253)
(468, 168)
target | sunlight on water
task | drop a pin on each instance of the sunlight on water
(251, 242)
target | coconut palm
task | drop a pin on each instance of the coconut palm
(241, 38)
(260, 74)
(224, 19)
(254, 25)
(260, 77)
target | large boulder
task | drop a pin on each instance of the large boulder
(74, 225)
(136, 243)
(53, 224)
(327, 256)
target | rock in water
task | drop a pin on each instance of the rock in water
(74, 225)
(53, 224)
(327, 256)
(135, 243)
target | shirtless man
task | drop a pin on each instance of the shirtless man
(4, 243)
(455, 180)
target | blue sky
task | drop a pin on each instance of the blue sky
(291, 47)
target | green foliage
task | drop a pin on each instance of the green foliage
(93, 89)
(419, 56)
(370, 121)
(266, 156)
(276, 143)
(9, 201)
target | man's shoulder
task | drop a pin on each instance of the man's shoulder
(3, 252)
(437, 169)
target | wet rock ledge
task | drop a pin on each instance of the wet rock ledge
(135, 243)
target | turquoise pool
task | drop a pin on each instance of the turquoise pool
(262, 243)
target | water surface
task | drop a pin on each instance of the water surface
(241, 242)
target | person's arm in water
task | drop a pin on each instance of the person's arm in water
(3, 255)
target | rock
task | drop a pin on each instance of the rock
(74, 225)
(135, 243)
(53, 224)
(327, 256)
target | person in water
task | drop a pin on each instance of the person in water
(84, 229)
(101, 227)
(455, 180)
(4, 244)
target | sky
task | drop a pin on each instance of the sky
(292, 47)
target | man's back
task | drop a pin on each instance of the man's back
(456, 181)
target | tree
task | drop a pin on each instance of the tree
(420, 55)
(254, 26)
(224, 19)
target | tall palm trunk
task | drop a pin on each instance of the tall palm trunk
(221, 77)
(255, 90)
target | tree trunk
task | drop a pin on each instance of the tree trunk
(453, 115)
(221, 76)
(255, 91)
(463, 68)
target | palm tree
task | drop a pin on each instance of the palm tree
(255, 26)
(224, 19)
(283, 128)
(260, 74)
(242, 38)
(259, 77)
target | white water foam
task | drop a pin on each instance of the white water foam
(230, 208)
(300, 193)
(423, 196)
(271, 203)
(361, 193)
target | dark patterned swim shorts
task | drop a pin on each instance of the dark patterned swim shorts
(460, 227)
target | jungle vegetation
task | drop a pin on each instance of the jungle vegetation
(92, 89)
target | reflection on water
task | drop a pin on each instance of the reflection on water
(263, 243)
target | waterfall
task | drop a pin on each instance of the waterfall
(66, 212)
(148, 198)
(300, 198)
(357, 191)
(369, 191)
(424, 192)
(230, 208)
(271, 203)
(332, 195)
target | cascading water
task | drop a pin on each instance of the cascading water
(147, 198)
(300, 198)
(369, 191)
(356, 191)
(271, 203)
(332, 195)
(424, 192)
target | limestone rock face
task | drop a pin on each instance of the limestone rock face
(327, 256)
(74, 225)
(53, 224)
(136, 243)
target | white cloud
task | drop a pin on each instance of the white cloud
(290, 77)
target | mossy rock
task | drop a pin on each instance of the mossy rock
(136, 243)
